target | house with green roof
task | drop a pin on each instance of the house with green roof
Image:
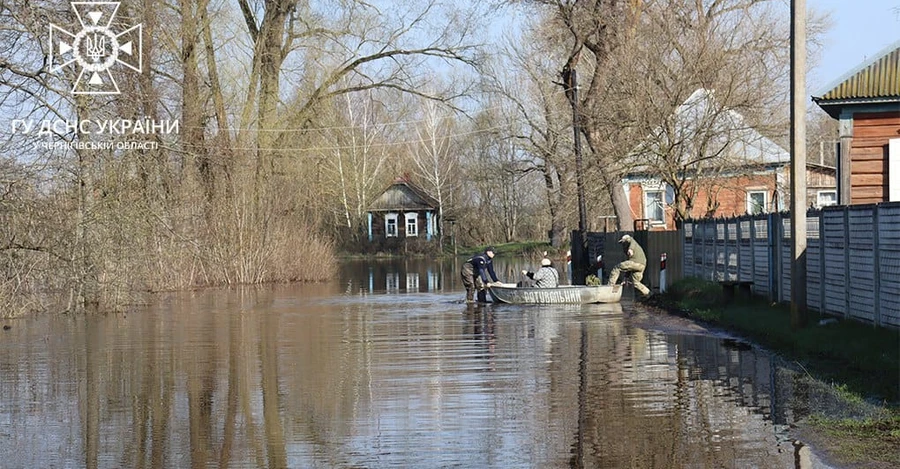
(866, 101)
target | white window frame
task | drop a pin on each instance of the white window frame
(388, 218)
(833, 201)
(893, 172)
(765, 202)
(412, 221)
(662, 205)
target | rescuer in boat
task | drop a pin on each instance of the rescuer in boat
(546, 277)
(475, 275)
(635, 265)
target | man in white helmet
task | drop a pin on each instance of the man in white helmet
(634, 264)
(546, 277)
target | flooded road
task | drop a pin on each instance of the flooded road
(386, 368)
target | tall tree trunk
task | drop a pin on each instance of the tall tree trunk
(87, 275)
(223, 133)
(192, 105)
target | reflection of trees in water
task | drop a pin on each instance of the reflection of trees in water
(248, 379)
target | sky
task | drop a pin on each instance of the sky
(860, 29)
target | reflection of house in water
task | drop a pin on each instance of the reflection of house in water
(411, 276)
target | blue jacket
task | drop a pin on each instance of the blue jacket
(481, 263)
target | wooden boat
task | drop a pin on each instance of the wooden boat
(564, 294)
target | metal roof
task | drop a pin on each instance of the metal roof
(876, 79)
(701, 124)
(403, 195)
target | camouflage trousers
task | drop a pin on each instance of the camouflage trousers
(637, 274)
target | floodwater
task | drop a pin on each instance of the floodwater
(387, 368)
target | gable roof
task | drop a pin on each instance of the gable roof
(701, 117)
(403, 195)
(874, 80)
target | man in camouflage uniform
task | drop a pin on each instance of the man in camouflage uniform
(635, 265)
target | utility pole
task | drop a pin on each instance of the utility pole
(579, 169)
(798, 164)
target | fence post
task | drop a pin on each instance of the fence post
(715, 259)
(753, 251)
(771, 234)
(738, 233)
(822, 308)
(876, 265)
(683, 230)
(662, 273)
(846, 261)
(725, 230)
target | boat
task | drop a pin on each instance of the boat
(563, 294)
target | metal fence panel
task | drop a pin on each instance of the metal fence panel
(889, 263)
(852, 258)
(835, 280)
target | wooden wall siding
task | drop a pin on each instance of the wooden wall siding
(852, 258)
(820, 178)
(868, 155)
(378, 225)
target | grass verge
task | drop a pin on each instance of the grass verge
(861, 361)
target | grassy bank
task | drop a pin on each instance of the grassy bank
(861, 362)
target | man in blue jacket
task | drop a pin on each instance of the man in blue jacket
(475, 275)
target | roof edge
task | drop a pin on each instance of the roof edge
(866, 63)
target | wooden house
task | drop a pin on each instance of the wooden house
(401, 212)
(866, 101)
(745, 172)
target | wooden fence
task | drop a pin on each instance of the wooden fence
(852, 258)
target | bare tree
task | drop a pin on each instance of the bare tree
(544, 136)
(356, 157)
(434, 154)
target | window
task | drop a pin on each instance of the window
(756, 202)
(390, 225)
(653, 206)
(826, 198)
(412, 225)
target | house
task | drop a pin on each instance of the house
(866, 101)
(401, 212)
(723, 167)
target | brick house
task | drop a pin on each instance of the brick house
(403, 211)
(756, 178)
(866, 101)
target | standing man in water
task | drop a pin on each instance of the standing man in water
(475, 275)
(635, 264)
